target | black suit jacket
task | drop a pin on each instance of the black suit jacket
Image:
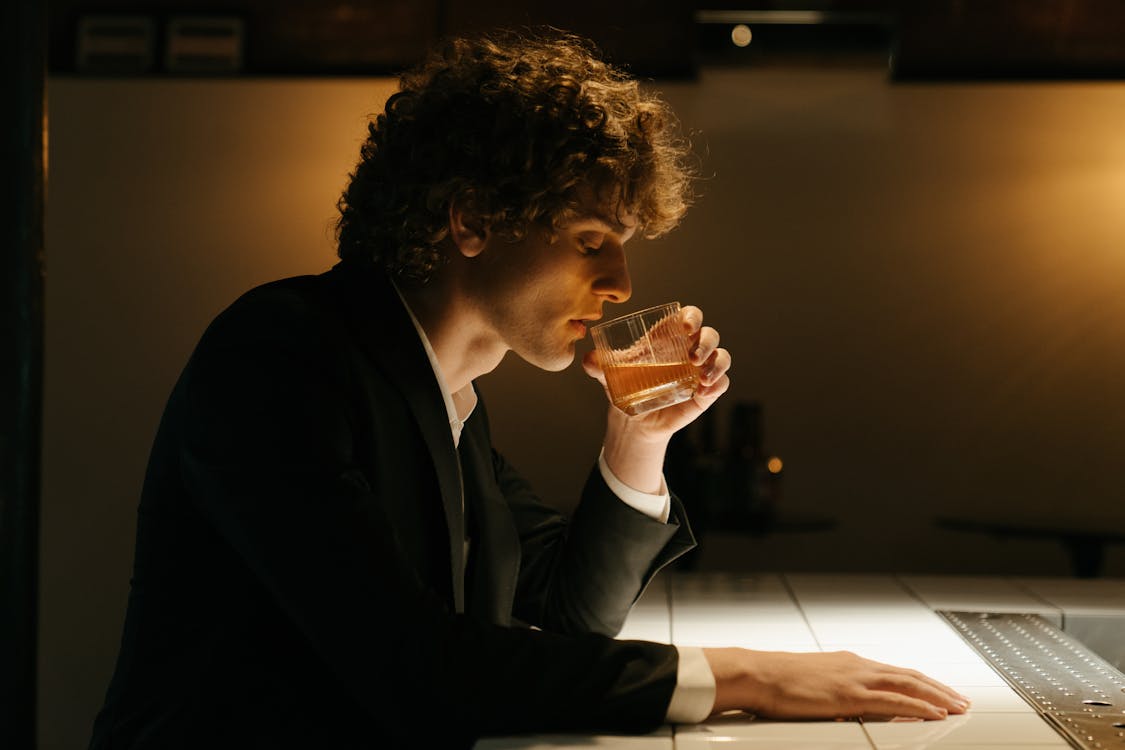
(299, 581)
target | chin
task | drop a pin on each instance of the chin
(551, 362)
(558, 366)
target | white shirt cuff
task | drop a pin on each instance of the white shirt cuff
(694, 696)
(657, 507)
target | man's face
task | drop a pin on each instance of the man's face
(539, 295)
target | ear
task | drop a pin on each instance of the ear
(467, 231)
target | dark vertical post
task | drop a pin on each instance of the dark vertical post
(22, 165)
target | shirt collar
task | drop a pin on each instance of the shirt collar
(458, 406)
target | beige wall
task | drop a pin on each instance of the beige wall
(925, 285)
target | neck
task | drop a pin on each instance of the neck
(464, 346)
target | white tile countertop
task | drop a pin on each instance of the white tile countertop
(884, 617)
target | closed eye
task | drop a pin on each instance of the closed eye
(591, 243)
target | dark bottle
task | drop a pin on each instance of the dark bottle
(752, 476)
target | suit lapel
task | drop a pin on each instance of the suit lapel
(495, 558)
(383, 328)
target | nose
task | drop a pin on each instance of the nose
(613, 282)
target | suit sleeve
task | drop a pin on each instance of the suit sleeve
(266, 456)
(583, 574)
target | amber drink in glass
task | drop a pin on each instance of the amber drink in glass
(645, 359)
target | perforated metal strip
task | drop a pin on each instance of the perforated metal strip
(1075, 690)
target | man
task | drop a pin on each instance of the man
(329, 551)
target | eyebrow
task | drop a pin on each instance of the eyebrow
(612, 223)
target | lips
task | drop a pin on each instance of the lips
(579, 324)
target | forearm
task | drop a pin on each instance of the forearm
(634, 454)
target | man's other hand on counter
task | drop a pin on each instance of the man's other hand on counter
(784, 685)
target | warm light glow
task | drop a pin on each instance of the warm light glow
(774, 465)
(741, 35)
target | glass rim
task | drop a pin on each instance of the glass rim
(635, 314)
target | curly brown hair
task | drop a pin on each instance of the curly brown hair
(510, 126)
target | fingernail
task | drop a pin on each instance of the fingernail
(941, 712)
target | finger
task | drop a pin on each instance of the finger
(717, 365)
(592, 365)
(880, 703)
(948, 697)
(706, 395)
(706, 343)
(957, 698)
(936, 692)
(692, 317)
(919, 686)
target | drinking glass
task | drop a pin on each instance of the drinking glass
(645, 359)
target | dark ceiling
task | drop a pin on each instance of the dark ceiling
(669, 38)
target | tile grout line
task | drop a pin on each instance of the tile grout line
(797, 603)
(1035, 595)
(805, 617)
(897, 578)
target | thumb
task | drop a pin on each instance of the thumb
(593, 367)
